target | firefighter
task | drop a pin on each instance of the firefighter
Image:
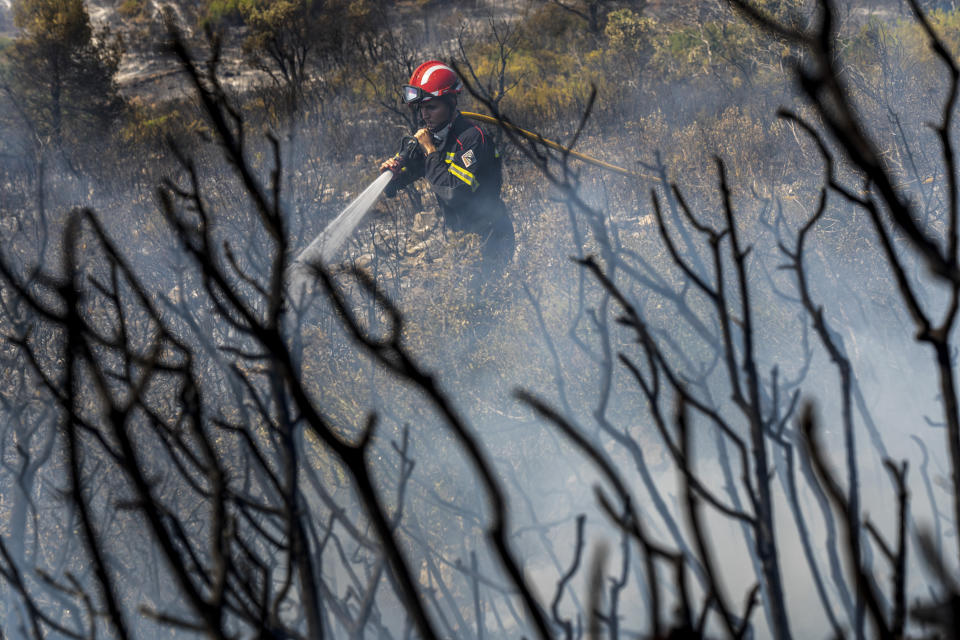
(461, 164)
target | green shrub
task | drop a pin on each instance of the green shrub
(631, 38)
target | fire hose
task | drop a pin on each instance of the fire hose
(536, 137)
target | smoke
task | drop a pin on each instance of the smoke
(325, 246)
(551, 328)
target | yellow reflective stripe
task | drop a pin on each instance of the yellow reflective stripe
(464, 175)
(450, 155)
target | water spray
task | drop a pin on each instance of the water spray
(326, 245)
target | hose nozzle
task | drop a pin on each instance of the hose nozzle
(409, 148)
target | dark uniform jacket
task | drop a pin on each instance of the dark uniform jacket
(465, 175)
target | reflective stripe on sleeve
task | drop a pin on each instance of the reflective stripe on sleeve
(464, 175)
(450, 155)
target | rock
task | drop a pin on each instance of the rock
(364, 261)
(424, 221)
(416, 248)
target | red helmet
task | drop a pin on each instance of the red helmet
(431, 80)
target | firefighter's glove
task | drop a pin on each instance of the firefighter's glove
(426, 140)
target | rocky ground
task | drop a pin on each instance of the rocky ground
(150, 75)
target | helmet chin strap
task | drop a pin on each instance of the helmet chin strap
(440, 135)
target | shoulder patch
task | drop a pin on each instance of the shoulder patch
(468, 158)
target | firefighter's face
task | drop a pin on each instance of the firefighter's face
(435, 113)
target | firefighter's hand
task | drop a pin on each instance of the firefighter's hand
(425, 140)
(391, 164)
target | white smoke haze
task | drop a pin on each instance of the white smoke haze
(548, 328)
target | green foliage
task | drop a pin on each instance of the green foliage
(134, 10)
(148, 126)
(895, 77)
(569, 83)
(631, 35)
(59, 72)
(220, 11)
(52, 21)
(546, 84)
(592, 13)
(554, 63)
(732, 51)
(293, 41)
(878, 48)
(550, 25)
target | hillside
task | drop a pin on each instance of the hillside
(703, 385)
(432, 27)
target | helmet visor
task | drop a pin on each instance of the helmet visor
(413, 94)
